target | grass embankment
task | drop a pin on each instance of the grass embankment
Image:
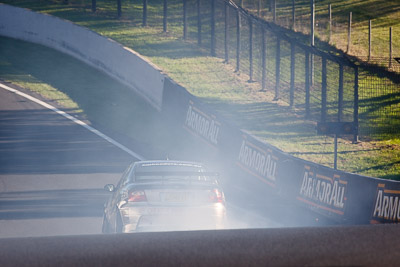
(382, 13)
(216, 83)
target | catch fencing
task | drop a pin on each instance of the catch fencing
(317, 85)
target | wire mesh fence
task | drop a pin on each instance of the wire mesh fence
(316, 84)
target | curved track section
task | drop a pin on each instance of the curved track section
(52, 171)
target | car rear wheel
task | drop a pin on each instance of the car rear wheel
(106, 225)
(118, 224)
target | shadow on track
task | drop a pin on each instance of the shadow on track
(39, 142)
(52, 204)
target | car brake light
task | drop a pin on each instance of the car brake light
(137, 196)
(217, 196)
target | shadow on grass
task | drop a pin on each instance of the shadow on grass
(378, 116)
(268, 120)
(380, 167)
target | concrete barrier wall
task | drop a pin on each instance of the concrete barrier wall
(119, 62)
(343, 197)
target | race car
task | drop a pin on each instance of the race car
(164, 196)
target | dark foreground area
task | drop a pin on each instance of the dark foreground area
(333, 246)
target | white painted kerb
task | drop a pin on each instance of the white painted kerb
(119, 62)
(75, 120)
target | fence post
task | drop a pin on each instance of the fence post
(199, 22)
(259, 8)
(93, 6)
(330, 22)
(293, 15)
(307, 83)
(238, 26)
(184, 20)
(226, 33)
(119, 11)
(312, 40)
(312, 22)
(323, 90)
(369, 39)
(144, 13)
(213, 40)
(263, 60)
(165, 17)
(292, 72)
(277, 67)
(390, 48)
(274, 10)
(355, 113)
(340, 103)
(250, 50)
(349, 33)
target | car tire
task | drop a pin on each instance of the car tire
(118, 224)
(106, 226)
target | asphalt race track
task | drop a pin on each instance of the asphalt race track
(52, 171)
(52, 174)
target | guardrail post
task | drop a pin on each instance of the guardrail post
(277, 67)
(165, 16)
(292, 72)
(199, 22)
(307, 83)
(250, 50)
(238, 26)
(93, 6)
(213, 40)
(355, 119)
(226, 33)
(184, 20)
(264, 60)
(144, 13)
(340, 103)
(323, 91)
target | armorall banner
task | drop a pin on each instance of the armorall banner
(323, 191)
(386, 208)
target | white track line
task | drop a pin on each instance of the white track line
(79, 122)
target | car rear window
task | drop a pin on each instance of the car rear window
(172, 171)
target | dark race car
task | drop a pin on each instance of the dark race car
(164, 196)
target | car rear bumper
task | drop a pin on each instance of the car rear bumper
(172, 218)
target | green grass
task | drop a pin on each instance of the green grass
(382, 13)
(216, 83)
